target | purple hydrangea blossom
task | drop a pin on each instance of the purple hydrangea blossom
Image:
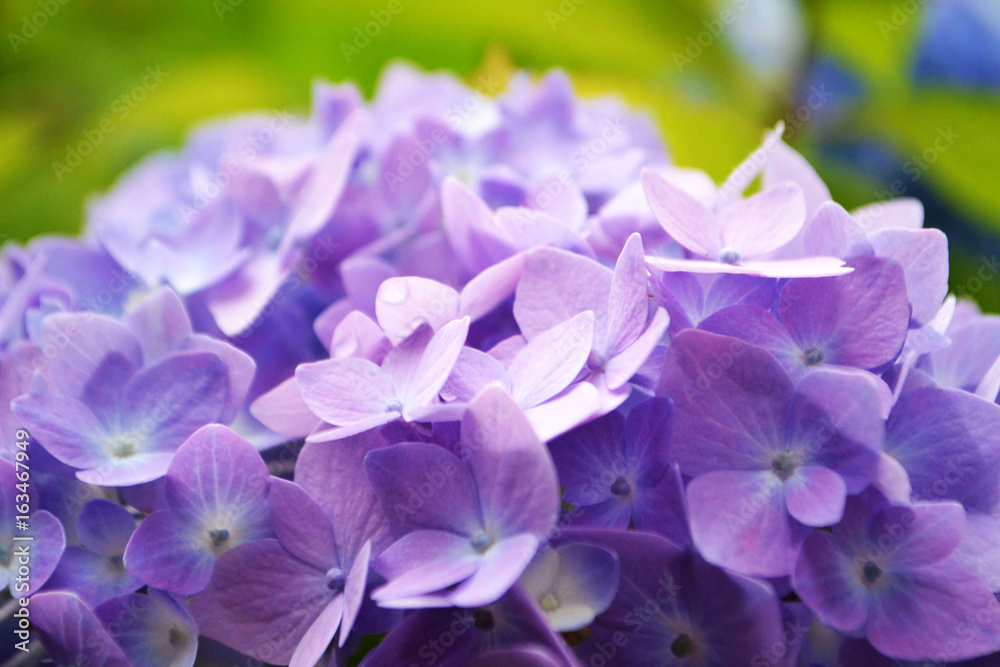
(216, 499)
(308, 381)
(769, 458)
(618, 472)
(885, 572)
(312, 580)
(95, 570)
(480, 521)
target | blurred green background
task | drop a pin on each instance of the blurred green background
(65, 78)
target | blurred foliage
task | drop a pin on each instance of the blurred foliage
(228, 56)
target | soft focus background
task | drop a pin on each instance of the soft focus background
(885, 97)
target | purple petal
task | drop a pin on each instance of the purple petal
(218, 472)
(757, 325)
(71, 632)
(920, 535)
(343, 391)
(425, 562)
(104, 527)
(436, 364)
(261, 601)
(170, 400)
(628, 300)
(627, 362)
(557, 285)
(902, 213)
(763, 222)
(322, 191)
(66, 428)
(311, 537)
(825, 579)
(43, 552)
(815, 496)
(154, 629)
(948, 442)
(834, 233)
(739, 521)
(857, 320)
(283, 411)
(785, 164)
(160, 323)
(551, 360)
(134, 469)
(83, 341)
(836, 422)
(926, 610)
(469, 224)
(335, 478)
(403, 304)
(168, 552)
(730, 399)
(500, 568)
(923, 255)
(354, 591)
(582, 579)
(357, 335)
(491, 287)
(423, 486)
(514, 474)
(93, 577)
(472, 371)
(317, 638)
(576, 405)
(684, 219)
(239, 365)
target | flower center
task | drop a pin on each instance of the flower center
(483, 620)
(595, 361)
(812, 356)
(117, 564)
(730, 256)
(218, 537)
(783, 465)
(123, 447)
(871, 572)
(336, 579)
(550, 603)
(481, 541)
(621, 487)
(682, 647)
(176, 637)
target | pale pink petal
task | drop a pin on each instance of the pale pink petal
(687, 221)
(552, 360)
(764, 222)
(403, 304)
(283, 411)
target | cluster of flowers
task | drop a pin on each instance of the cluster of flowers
(491, 376)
